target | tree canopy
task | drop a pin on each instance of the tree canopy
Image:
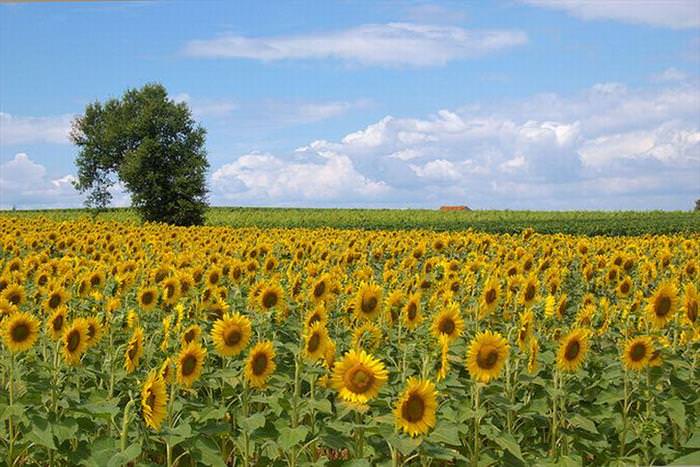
(153, 146)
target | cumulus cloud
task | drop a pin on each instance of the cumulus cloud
(373, 44)
(607, 147)
(28, 130)
(676, 14)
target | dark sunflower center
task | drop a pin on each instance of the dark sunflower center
(490, 296)
(133, 350)
(412, 311)
(189, 363)
(692, 311)
(360, 380)
(73, 341)
(15, 298)
(314, 343)
(572, 350)
(91, 330)
(625, 287)
(214, 278)
(170, 290)
(94, 281)
(315, 318)
(151, 399)
(259, 364)
(320, 289)
(20, 332)
(487, 359)
(54, 300)
(413, 409)
(189, 335)
(638, 352)
(663, 306)
(233, 337)
(147, 298)
(369, 304)
(530, 292)
(57, 323)
(447, 326)
(269, 299)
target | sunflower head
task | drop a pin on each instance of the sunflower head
(74, 342)
(637, 352)
(190, 363)
(231, 334)
(134, 350)
(415, 410)
(315, 339)
(20, 331)
(154, 400)
(358, 377)
(662, 305)
(448, 322)
(368, 301)
(487, 353)
(57, 323)
(147, 298)
(572, 350)
(260, 364)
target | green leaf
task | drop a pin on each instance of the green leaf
(41, 433)
(321, 405)
(252, 423)
(65, 429)
(123, 458)
(178, 434)
(507, 442)
(292, 436)
(583, 422)
(689, 459)
(676, 411)
(406, 445)
(693, 442)
(207, 452)
(445, 433)
(208, 413)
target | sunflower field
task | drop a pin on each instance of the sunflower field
(127, 344)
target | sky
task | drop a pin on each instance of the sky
(505, 104)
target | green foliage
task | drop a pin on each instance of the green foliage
(153, 146)
(569, 222)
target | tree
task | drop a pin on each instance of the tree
(152, 145)
(697, 205)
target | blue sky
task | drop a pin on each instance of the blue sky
(532, 104)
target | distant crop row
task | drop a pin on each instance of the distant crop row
(569, 222)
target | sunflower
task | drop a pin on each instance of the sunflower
(448, 322)
(94, 330)
(315, 339)
(529, 291)
(20, 331)
(662, 305)
(624, 288)
(171, 290)
(55, 299)
(368, 301)
(490, 297)
(637, 353)
(358, 377)
(532, 358)
(260, 364)
(526, 330)
(572, 350)
(154, 400)
(367, 335)
(412, 311)
(166, 371)
(690, 304)
(147, 298)
(191, 334)
(14, 294)
(415, 409)
(487, 353)
(271, 296)
(56, 323)
(318, 314)
(444, 362)
(75, 341)
(134, 350)
(231, 334)
(190, 363)
(320, 289)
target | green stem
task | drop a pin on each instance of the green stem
(360, 435)
(11, 392)
(125, 425)
(246, 448)
(625, 410)
(555, 406)
(477, 423)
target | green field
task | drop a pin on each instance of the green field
(570, 222)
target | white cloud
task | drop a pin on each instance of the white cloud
(207, 107)
(608, 147)
(670, 74)
(373, 44)
(29, 130)
(676, 14)
(24, 183)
